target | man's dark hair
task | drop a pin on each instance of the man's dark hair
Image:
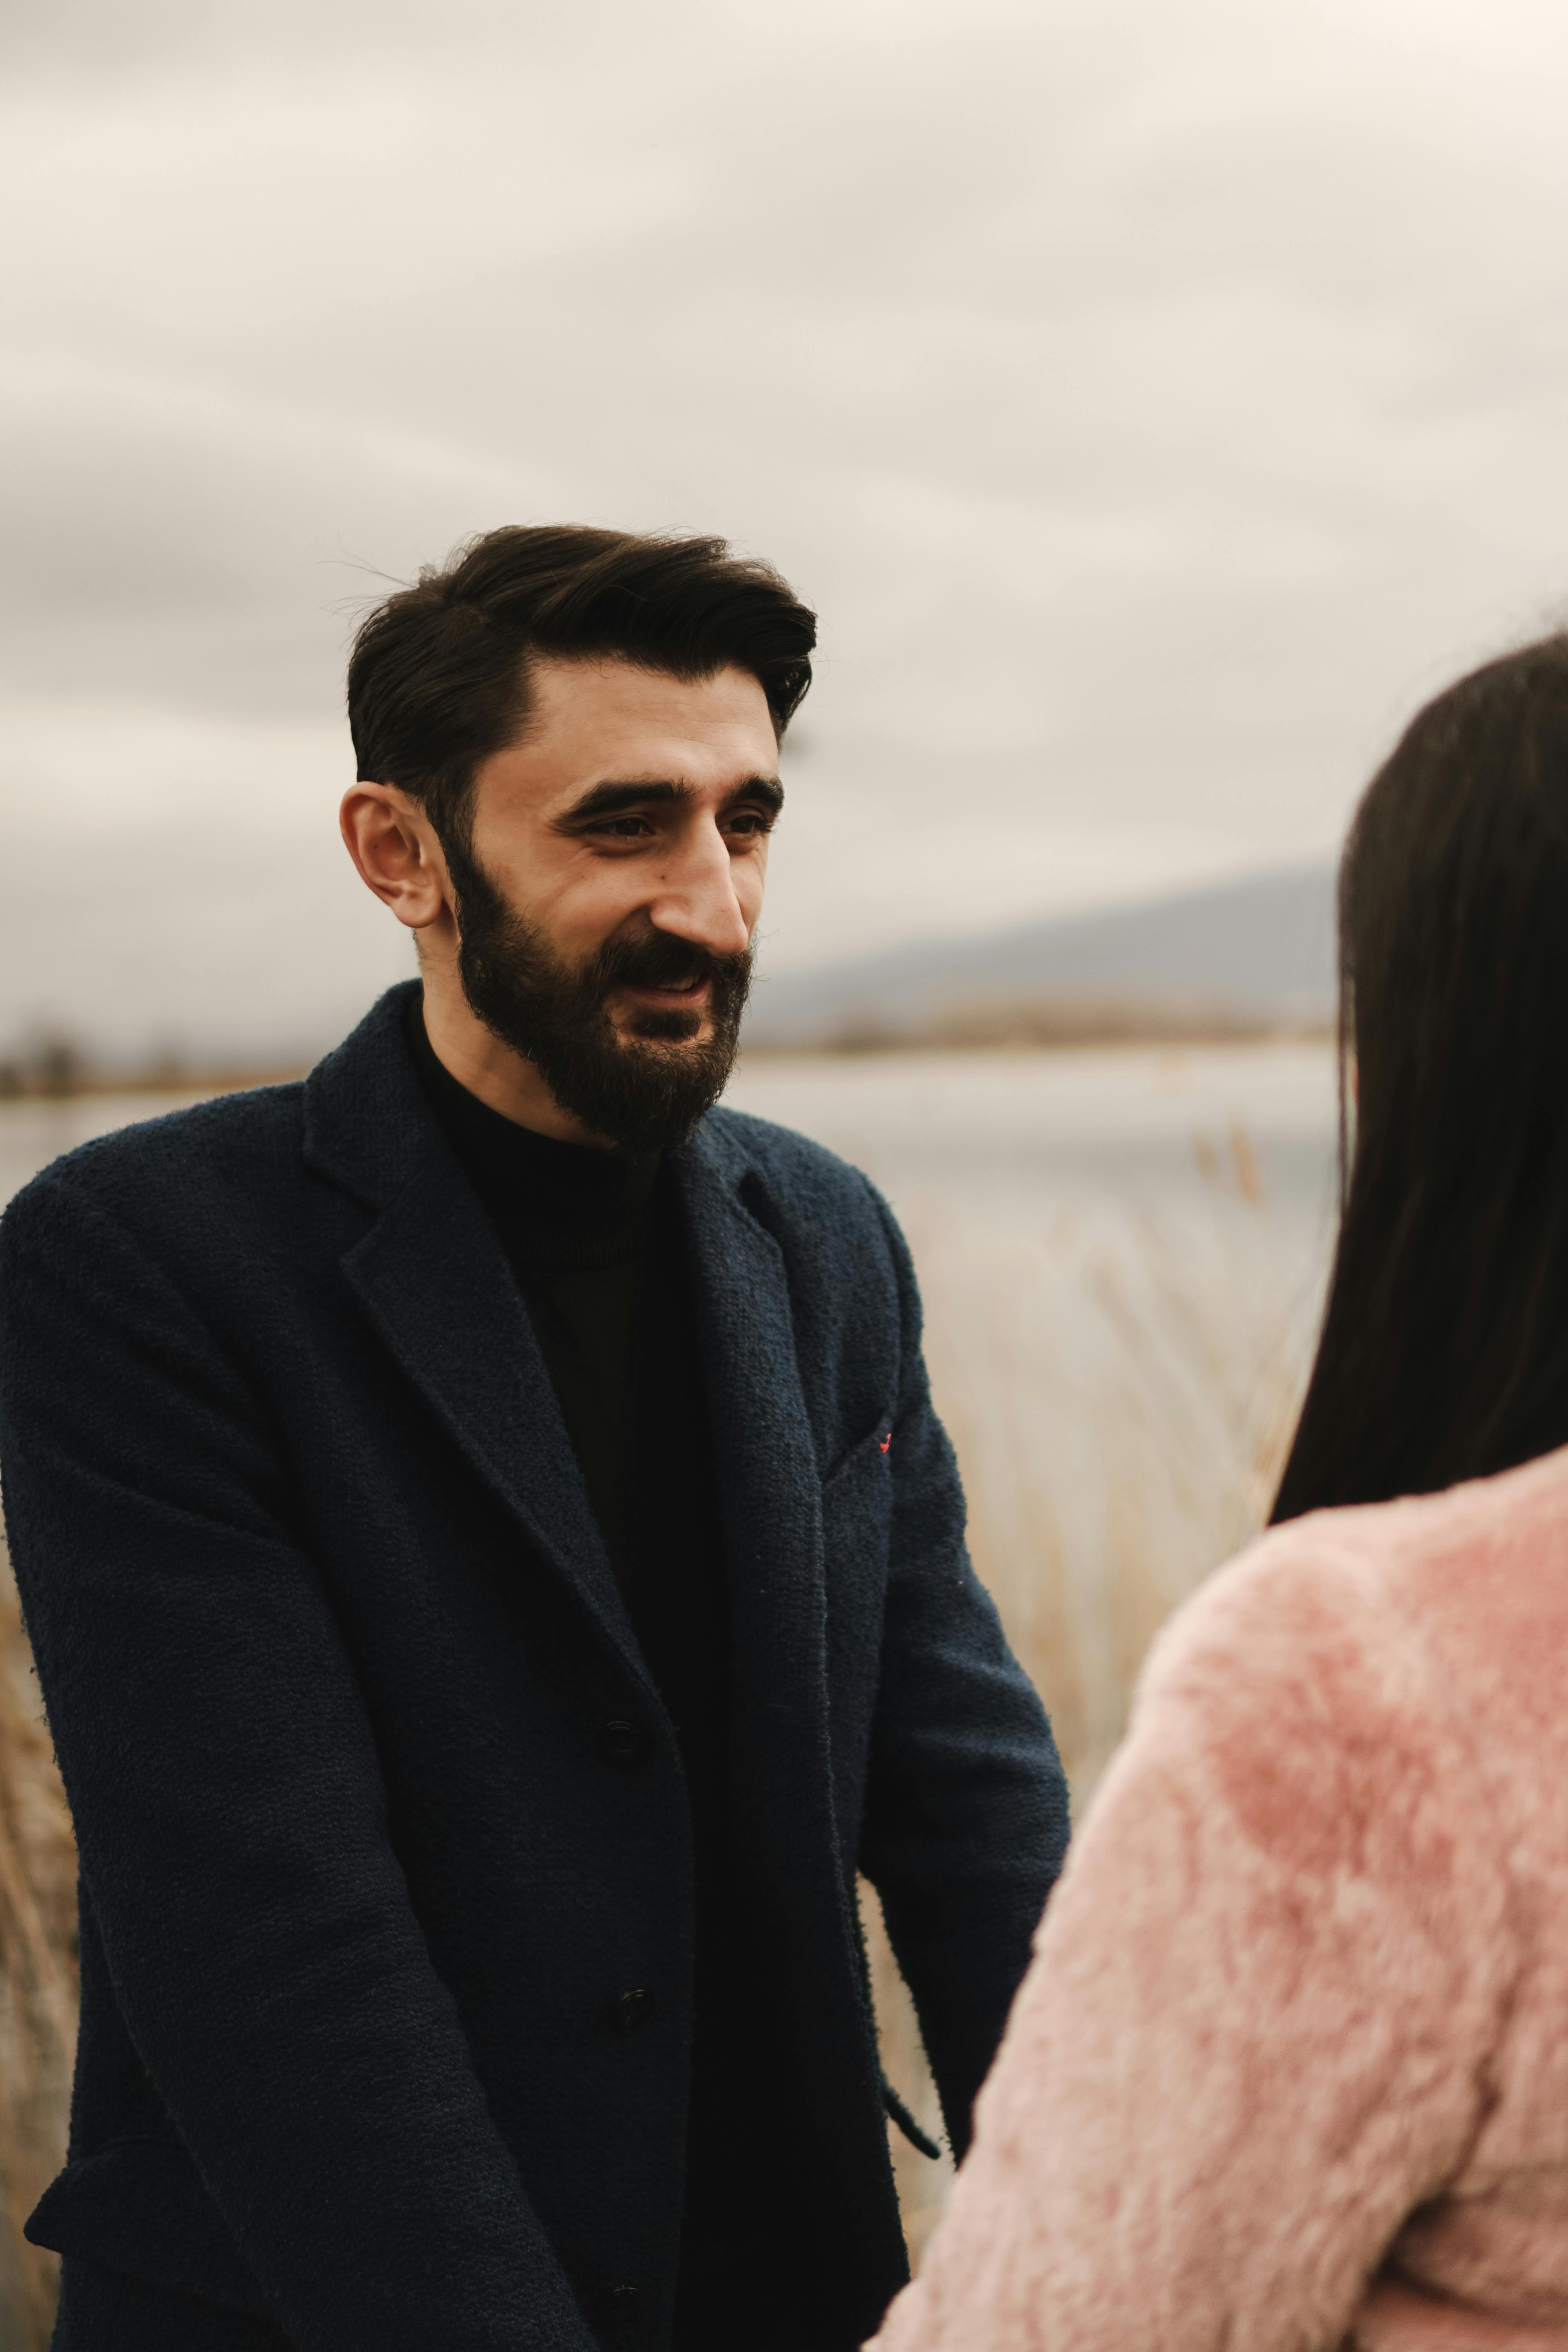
(439, 679)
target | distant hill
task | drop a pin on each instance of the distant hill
(1235, 955)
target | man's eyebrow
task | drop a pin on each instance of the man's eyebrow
(614, 798)
(766, 789)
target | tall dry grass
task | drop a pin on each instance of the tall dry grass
(37, 1981)
(1120, 1391)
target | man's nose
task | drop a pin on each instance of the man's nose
(695, 898)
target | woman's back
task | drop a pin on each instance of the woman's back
(1292, 2064)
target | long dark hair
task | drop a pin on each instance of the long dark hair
(1444, 1352)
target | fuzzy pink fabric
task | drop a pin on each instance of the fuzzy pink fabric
(1290, 2070)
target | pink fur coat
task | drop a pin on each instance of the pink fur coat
(1290, 2070)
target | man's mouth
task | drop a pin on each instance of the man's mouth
(693, 990)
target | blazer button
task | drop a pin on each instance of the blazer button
(620, 1742)
(630, 2010)
(614, 2305)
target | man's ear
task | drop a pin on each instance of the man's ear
(394, 845)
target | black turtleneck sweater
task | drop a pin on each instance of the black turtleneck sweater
(595, 1244)
(575, 1225)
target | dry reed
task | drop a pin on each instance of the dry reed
(1120, 1403)
(37, 1982)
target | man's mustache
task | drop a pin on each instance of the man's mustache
(662, 962)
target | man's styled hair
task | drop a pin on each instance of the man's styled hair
(438, 679)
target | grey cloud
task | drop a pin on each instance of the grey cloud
(1152, 402)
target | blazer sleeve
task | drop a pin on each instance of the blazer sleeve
(966, 1818)
(231, 1819)
(1253, 2038)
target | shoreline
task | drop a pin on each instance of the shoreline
(1018, 1038)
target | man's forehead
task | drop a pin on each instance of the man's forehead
(588, 695)
(609, 721)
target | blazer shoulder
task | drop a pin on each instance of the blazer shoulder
(819, 1208)
(180, 1156)
(786, 1157)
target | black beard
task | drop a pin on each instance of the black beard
(645, 1092)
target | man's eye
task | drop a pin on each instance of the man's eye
(624, 828)
(752, 822)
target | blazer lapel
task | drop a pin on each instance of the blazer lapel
(433, 1280)
(771, 1502)
(799, 1881)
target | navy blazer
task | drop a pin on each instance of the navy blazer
(341, 1684)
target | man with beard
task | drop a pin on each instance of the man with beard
(495, 1576)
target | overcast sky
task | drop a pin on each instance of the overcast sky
(1156, 398)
